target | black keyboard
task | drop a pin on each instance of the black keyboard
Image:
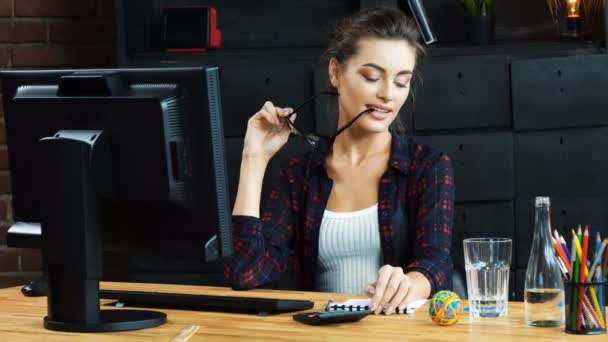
(260, 306)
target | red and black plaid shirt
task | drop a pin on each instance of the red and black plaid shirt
(415, 216)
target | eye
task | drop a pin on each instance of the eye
(370, 79)
(402, 82)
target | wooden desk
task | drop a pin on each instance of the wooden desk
(21, 320)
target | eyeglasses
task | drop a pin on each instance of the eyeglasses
(318, 141)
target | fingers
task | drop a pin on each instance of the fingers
(408, 299)
(286, 130)
(399, 299)
(276, 112)
(273, 115)
(291, 116)
(286, 114)
(381, 281)
(286, 111)
(379, 298)
(370, 290)
(392, 290)
(269, 113)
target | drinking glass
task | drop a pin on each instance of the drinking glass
(487, 262)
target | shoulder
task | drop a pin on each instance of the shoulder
(300, 164)
(431, 169)
(424, 157)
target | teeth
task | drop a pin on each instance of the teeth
(380, 110)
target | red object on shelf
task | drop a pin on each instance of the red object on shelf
(214, 39)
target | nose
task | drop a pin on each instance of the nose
(386, 91)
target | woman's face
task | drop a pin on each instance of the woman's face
(378, 77)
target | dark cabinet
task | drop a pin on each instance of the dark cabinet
(247, 85)
(483, 164)
(561, 162)
(463, 92)
(559, 92)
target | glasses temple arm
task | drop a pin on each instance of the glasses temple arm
(310, 99)
(350, 122)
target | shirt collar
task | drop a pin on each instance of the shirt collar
(399, 160)
(400, 153)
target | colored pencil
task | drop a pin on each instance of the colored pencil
(581, 292)
(605, 264)
(565, 248)
(585, 255)
(598, 245)
(562, 268)
(589, 319)
(560, 253)
(597, 257)
(588, 305)
(600, 294)
(575, 276)
(579, 254)
(573, 256)
(596, 305)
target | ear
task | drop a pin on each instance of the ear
(334, 72)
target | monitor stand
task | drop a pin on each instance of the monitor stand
(75, 173)
(36, 288)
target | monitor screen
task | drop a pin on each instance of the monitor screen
(167, 198)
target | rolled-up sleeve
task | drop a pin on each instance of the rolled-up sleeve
(435, 217)
(261, 246)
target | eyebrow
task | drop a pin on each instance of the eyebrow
(376, 66)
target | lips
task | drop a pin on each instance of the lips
(378, 115)
(380, 107)
(380, 112)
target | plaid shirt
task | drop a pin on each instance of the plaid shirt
(415, 216)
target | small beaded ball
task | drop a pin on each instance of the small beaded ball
(445, 308)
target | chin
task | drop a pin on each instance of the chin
(381, 123)
(375, 126)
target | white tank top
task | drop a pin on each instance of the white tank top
(350, 253)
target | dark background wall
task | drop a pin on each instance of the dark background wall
(36, 34)
(520, 117)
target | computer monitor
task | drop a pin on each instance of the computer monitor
(120, 163)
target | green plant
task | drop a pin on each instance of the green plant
(478, 7)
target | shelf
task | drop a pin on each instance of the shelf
(514, 49)
(274, 55)
(517, 48)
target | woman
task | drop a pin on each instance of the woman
(371, 214)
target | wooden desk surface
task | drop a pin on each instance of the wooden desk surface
(21, 320)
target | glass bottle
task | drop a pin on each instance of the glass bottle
(544, 289)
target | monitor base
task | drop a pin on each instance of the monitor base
(112, 320)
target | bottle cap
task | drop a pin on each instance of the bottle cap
(542, 200)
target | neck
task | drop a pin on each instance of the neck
(354, 147)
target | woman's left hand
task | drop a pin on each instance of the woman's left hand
(395, 289)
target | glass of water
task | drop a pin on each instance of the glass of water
(487, 262)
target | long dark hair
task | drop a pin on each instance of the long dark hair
(382, 23)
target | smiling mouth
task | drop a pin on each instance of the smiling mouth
(380, 115)
(379, 110)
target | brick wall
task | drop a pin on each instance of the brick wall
(46, 34)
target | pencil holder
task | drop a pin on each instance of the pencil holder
(585, 307)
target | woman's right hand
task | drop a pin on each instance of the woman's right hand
(267, 131)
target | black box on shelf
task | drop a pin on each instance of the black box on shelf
(190, 28)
